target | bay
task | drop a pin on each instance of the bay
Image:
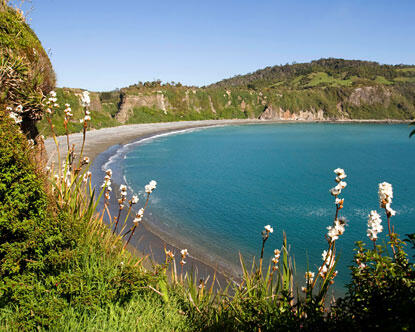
(218, 187)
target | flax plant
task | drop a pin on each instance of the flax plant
(149, 188)
(326, 272)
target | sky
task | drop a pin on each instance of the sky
(101, 45)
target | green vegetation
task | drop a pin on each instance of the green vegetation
(57, 269)
(26, 73)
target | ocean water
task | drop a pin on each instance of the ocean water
(218, 187)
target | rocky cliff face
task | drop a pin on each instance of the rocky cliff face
(129, 102)
(272, 113)
(370, 95)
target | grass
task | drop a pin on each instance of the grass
(141, 313)
(321, 78)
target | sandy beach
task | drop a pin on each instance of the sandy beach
(98, 141)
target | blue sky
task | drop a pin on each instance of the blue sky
(102, 45)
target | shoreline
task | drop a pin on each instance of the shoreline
(147, 241)
(99, 140)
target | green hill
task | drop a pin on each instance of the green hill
(326, 89)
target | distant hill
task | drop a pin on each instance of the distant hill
(325, 89)
(323, 73)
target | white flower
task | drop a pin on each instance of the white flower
(123, 187)
(339, 171)
(52, 93)
(323, 271)
(342, 184)
(8, 108)
(150, 187)
(85, 99)
(269, 229)
(67, 105)
(184, 253)
(339, 201)
(277, 253)
(341, 176)
(86, 160)
(309, 276)
(182, 262)
(385, 193)
(107, 183)
(137, 220)
(109, 172)
(304, 289)
(19, 109)
(335, 230)
(328, 262)
(17, 119)
(134, 200)
(324, 255)
(86, 176)
(374, 225)
(87, 118)
(335, 191)
(138, 216)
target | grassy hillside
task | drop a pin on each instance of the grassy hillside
(26, 73)
(324, 73)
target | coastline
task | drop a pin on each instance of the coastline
(99, 140)
(147, 242)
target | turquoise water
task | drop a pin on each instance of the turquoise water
(218, 187)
